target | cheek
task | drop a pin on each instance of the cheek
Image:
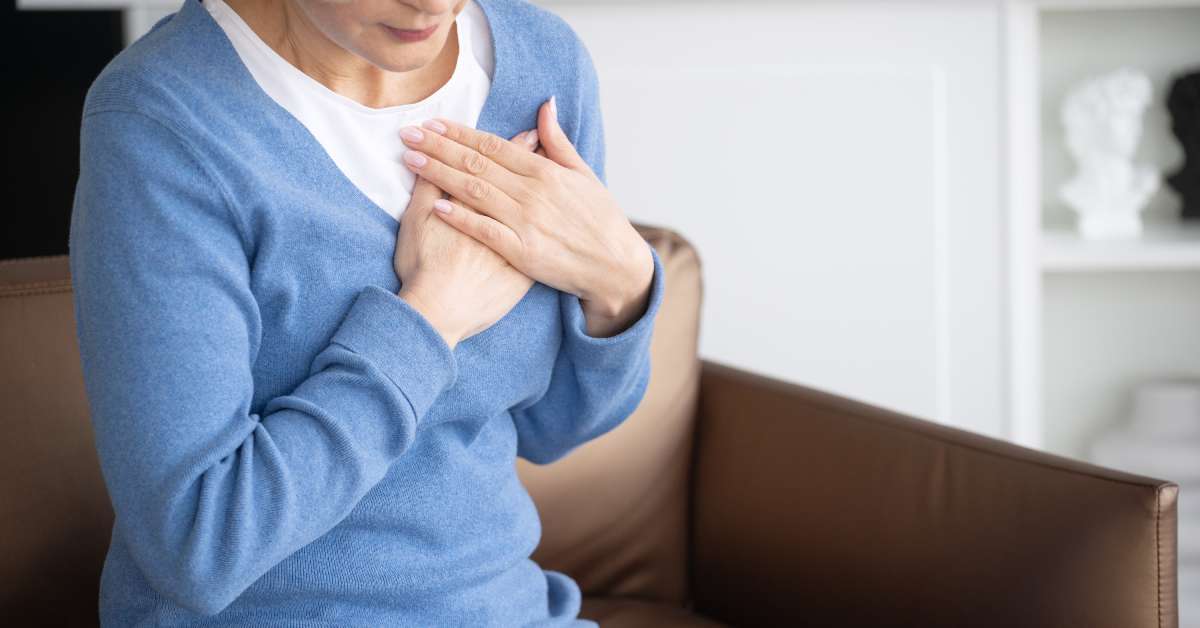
(337, 20)
(361, 36)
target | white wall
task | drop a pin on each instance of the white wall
(836, 164)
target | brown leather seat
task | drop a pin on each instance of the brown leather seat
(727, 498)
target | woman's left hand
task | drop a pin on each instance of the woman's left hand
(549, 216)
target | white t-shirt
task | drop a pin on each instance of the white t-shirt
(364, 141)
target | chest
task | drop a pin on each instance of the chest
(317, 243)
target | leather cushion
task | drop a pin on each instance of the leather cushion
(55, 516)
(615, 612)
(614, 511)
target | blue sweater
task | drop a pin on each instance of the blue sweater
(284, 440)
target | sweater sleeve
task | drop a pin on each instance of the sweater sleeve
(208, 494)
(596, 383)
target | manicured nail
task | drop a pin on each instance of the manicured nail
(443, 205)
(412, 133)
(415, 158)
(434, 125)
(553, 108)
(531, 138)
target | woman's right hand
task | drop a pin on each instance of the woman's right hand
(460, 285)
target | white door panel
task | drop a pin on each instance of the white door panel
(837, 166)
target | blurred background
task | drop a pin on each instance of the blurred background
(874, 188)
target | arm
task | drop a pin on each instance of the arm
(596, 383)
(210, 495)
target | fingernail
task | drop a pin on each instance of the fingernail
(415, 158)
(553, 108)
(531, 138)
(434, 125)
(443, 205)
(412, 134)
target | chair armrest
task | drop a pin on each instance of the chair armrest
(809, 508)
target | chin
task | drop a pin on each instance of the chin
(401, 57)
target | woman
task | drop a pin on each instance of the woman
(308, 404)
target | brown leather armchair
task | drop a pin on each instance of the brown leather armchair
(727, 498)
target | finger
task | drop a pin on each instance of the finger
(425, 189)
(489, 145)
(492, 233)
(478, 162)
(530, 140)
(558, 146)
(424, 193)
(527, 139)
(481, 194)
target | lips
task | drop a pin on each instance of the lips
(410, 35)
(412, 30)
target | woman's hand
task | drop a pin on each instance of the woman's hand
(458, 284)
(549, 216)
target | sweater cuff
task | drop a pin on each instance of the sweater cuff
(611, 351)
(399, 340)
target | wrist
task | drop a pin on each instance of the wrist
(625, 301)
(435, 315)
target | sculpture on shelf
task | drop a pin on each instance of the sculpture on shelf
(1183, 101)
(1103, 120)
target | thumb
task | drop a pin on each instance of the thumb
(555, 141)
(425, 192)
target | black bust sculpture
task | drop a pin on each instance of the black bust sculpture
(1183, 101)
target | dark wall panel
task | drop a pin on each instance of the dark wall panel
(50, 58)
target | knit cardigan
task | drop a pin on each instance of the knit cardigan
(284, 440)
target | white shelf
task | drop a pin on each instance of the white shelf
(1160, 247)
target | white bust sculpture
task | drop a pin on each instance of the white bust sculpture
(1103, 120)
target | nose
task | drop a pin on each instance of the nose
(435, 7)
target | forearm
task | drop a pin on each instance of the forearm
(210, 492)
(596, 383)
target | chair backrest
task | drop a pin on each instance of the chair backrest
(55, 515)
(614, 511)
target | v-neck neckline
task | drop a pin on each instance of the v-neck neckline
(499, 73)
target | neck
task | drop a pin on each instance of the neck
(290, 33)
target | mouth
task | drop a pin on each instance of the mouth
(405, 34)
